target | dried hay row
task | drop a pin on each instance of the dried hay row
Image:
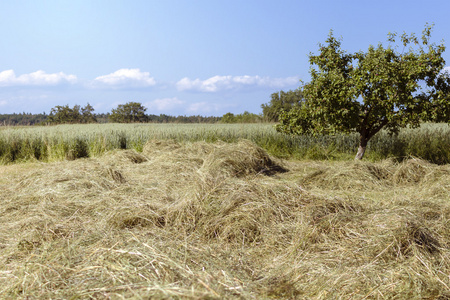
(203, 220)
(361, 175)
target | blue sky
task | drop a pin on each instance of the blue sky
(183, 57)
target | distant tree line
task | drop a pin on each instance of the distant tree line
(245, 117)
(162, 118)
(22, 119)
(135, 112)
(131, 112)
(279, 102)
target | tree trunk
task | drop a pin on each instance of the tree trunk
(362, 147)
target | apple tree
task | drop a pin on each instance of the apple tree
(383, 88)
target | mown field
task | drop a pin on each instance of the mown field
(172, 216)
(431, 142)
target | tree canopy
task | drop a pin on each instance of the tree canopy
(385, 87)
(23, 119)
(64, 114)
(245, 117)
(280, 101)
(131, 112)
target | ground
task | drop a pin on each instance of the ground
(198, 220)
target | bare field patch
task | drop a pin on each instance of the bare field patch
(200, 220)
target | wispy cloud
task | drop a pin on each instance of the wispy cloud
(204, 108)
(199, 107)
(126, 78)
(164, 104)
(221, 83)
(3, 102)
(38, 78)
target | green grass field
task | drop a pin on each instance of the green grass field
(54, 143)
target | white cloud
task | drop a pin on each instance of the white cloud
(220, 83)
(38, 78)
(164, 104)
(125, 78)
(3, 103)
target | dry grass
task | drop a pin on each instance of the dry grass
(213, 221)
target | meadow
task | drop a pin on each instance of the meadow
(157, 212)
(53, 143)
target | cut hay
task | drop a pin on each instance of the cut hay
(236, 160)
(349, 176)
(160, 147)
(412, 171)
(366, 175)
(219, 159)
(223, 221)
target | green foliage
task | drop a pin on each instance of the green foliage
(53, 143)
(245, 117)
(122, 140)
(281, 102)
(66, 115)
(22, 119)
(131, 112)
(365, 92)
(429, 142)
(78, 149)
(87, 115)
(228, 118)
(20, 149)
(296, 121)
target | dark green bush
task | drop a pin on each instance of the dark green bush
(79, 149)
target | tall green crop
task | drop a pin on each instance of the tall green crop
(53, 143)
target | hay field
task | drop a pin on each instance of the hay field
(198, 220)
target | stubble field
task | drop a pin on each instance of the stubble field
(197, 220)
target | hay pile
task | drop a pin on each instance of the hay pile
(363, 175)
(220, 221)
